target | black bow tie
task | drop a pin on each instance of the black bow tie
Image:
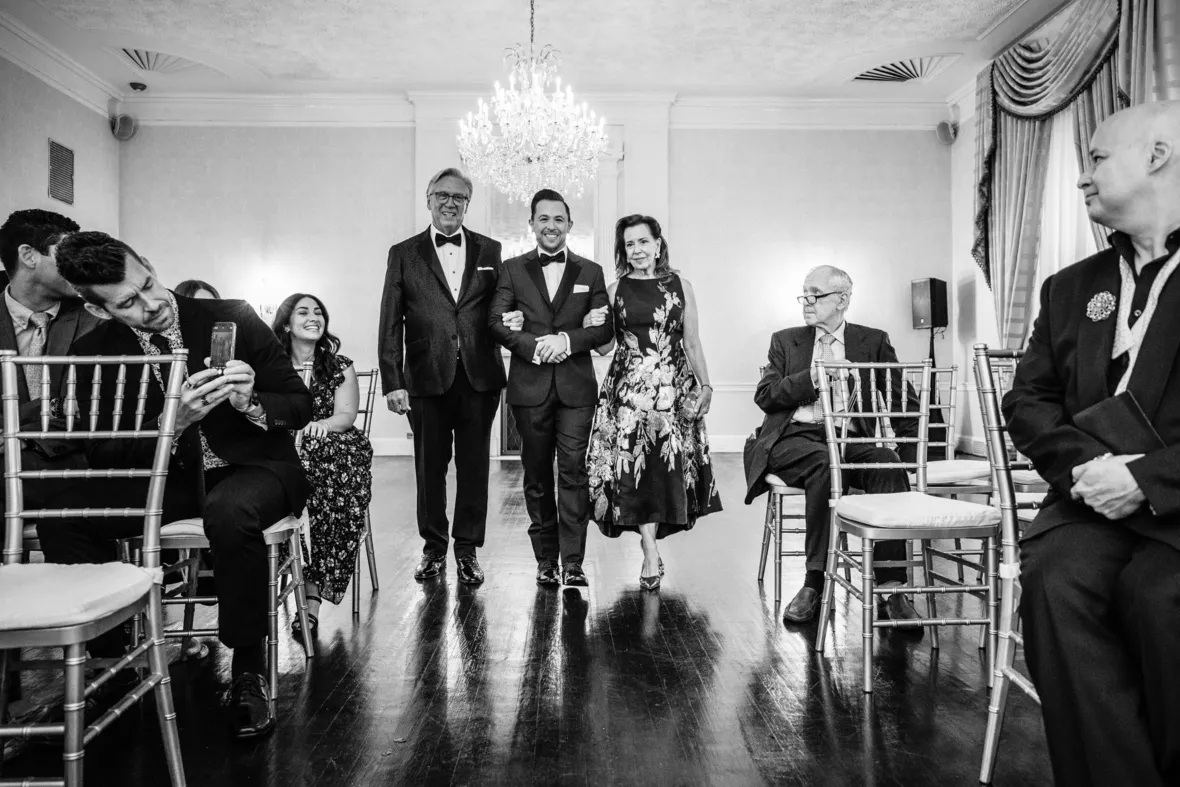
(441, 240)
(548, 258)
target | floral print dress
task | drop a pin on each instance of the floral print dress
(340, 469)
(648, 457)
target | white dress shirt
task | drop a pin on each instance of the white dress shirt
(452, 258)
(805, 415)
(21, 326)
(553, 273)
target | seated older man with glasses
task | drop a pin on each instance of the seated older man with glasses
(791, 442)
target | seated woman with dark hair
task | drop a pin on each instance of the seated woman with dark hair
(336, 455)
(195, 288)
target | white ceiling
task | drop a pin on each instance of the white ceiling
(805, 48)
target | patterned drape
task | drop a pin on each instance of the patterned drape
(1149, 51)
(1016, 97)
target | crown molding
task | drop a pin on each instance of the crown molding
(253, 109)
(34, 54)
(754, 112)
(444, 108)
(964, 97)
(447, 107)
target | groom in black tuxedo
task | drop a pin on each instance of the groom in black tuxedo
(441, 368)
(1100, 564)
(537, 312)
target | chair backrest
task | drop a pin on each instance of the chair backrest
(64, 423)
(944, 400)
(876, 394)
(368, 385)
(998, 449)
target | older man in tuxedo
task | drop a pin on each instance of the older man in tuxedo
(441, 366)
(1100, 564)
(537, 312)
(791, 442)
(235, 461)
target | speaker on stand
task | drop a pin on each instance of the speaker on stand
(930, 313)
(929, 306)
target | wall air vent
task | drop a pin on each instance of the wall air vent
(61, 173)
(918, 69)
(153, 62)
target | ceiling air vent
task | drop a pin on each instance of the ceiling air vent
(154, 62)
(918, 69)
(61, 173)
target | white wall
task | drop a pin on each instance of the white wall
(32, 113)
(975, 319)
(263, 212)
(753, 210)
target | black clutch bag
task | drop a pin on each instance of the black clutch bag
(1120, 424)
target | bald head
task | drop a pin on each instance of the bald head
(1134, 182)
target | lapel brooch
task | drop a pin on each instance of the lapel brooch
(1101, 306)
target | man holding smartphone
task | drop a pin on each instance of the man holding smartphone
(234, 461)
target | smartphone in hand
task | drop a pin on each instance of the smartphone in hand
(221, 352)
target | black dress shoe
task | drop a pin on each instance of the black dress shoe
(899, 607)
(430, 567)
(249, 706)
(547, 573)
(468, 570)
(802, 607)
(574, 576)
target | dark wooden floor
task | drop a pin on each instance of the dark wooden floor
(507, 684)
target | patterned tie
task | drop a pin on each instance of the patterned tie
(825, 354)
(39, 322)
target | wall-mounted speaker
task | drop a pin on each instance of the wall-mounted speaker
(929, 303)
(123, 127)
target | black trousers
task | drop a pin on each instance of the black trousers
(557, 525)
(800, 458)
(1101, 613)
(463, 417)
(240, 502)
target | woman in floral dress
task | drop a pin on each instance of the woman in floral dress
(649, 462)
(336, 455)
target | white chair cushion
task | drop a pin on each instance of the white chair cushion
(956, 471)
(184, 528)
(1027, 477)
(779, 486)
(50, 595)
(914, 509)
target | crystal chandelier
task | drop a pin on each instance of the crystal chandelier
(524, 140)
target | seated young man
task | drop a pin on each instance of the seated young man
(234, 461)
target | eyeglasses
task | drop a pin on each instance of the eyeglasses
(811, 300)
(442, 198)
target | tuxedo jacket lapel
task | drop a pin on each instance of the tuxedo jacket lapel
(572, 269)
(1096, 338)
(473, 249)
(533, 266)
(430, 257)
(1157, 354)
(8, 342)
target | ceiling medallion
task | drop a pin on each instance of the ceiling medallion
(523, 139)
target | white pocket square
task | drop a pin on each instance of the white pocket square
(581, 288)
(481, 268)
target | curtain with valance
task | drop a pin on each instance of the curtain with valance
(1016, 98)
(1099, 56)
